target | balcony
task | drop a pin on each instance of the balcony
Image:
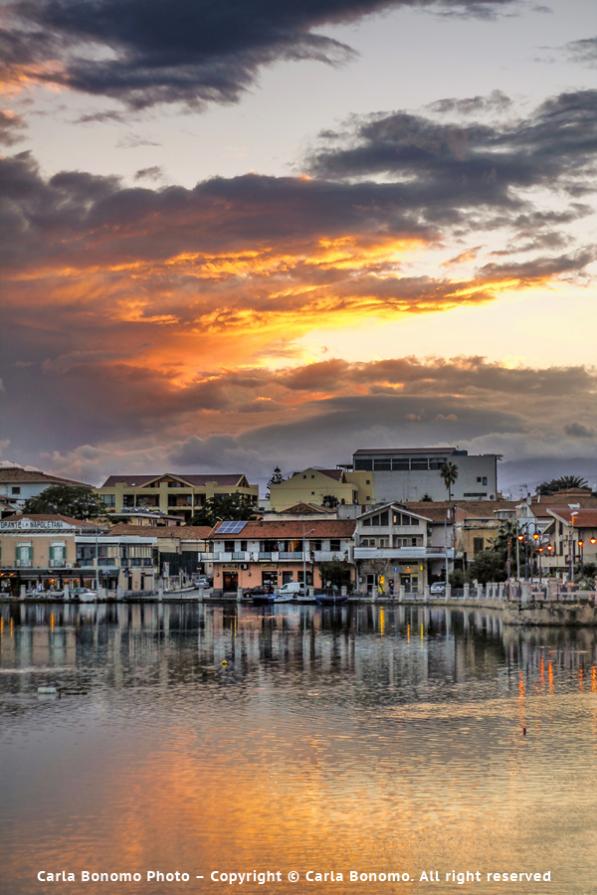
(331, 555)
(57, 563)
(24, 563)
(406, 553)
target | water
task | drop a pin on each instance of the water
(341, 739)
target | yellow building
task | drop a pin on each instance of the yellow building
(180, 495)
(322, 487)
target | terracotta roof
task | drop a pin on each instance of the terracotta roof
(140, 480)
(175, 532)
(52, 517)
(306, 509)
(475, 509)
(18, 475)
(313, 528)
(583, 518)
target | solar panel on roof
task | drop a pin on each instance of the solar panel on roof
(231, 528)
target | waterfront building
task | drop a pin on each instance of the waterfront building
(322, 487)
(178, 548)
(18, 484)
(274, 552)
(53, 553)
(173, 494)
(572, 539)
(414, 474)
(397, 547)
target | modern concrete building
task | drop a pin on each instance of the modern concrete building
(173, 494)
(413, 474)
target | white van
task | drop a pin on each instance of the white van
(291, 588)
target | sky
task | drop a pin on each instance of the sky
(241, 235)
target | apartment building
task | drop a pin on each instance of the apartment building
(273, 552)
(397, 547)
(179, 495)
(322, 487)
(53, 553)
(414, 474)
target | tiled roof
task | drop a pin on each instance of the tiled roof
(583, 518)
(173, 532)
(306, 509)
(313, 528)
(10, 475)
(140, 480)
(475, 509)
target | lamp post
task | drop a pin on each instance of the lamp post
(571, 546)
(305, 533)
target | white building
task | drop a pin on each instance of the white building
(396, 547)
(18, 484)
(412, 474)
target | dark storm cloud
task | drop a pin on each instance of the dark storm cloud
(496, 101)
(474, 163)
(151, 51)
(76, 216)
(584, 50)
(577, 430)
(11, 127)
(154, 172)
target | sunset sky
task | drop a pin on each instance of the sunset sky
(235, 235)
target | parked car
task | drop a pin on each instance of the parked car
(438, 587)
(258, 591)
(202, 581)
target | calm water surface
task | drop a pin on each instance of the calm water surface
(335, 739)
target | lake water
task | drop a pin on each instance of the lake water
(368, 739)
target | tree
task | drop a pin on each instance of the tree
(77, 501)
(224, 506)
(563, 483)
(487, 566)
(337, 572)
(449, 474)
(330, 501)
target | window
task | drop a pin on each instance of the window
(382, 463)
(335, 545)
(315, 545)
(109, 500)
(399, 465)
(478, 544)
(16, 489)
(363, 463)
(419, 463)
(228, 546)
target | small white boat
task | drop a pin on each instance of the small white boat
(85, 596)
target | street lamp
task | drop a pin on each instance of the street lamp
(305, 533)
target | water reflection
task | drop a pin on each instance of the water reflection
(379, 738)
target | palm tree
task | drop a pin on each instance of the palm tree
(563, 483)
(449, 474)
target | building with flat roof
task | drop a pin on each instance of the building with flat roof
(411, 474)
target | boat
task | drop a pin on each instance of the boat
(266, 599)
(331, 599)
